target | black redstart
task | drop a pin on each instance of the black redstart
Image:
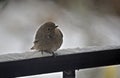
(48, 38)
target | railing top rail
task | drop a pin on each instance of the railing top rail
(32, 63)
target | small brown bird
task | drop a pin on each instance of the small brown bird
(48, 38)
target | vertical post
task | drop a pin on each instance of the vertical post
(69, 74)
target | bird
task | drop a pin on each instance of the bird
(48, 38)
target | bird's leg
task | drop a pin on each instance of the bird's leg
(54, 54)
(41, 51)
(50, 52)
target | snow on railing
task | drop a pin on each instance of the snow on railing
(67, 60)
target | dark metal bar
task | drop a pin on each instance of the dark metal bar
(59, 63)
(69, 74)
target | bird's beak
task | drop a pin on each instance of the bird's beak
(56, 26)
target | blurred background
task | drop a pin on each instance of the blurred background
(83, 23)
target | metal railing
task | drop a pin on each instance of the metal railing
(62, 62)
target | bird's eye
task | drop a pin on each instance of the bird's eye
(48, 28)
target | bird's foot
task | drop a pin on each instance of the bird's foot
(54, 54)
(41, 52)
